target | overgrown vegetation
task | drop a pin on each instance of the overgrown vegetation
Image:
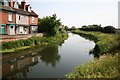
(13, 45)
(95, 28)
(105, 43)
(104, 67)
(107, 65)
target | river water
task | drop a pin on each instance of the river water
(53, 61)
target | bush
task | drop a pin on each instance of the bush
(92, 28)
(106, 29)
(105, 43)
(109, 29)
(49, 25)
(34, 41)
(104, 67)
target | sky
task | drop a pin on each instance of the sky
(78, 12)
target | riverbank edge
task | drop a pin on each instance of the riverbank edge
(57, 39)
(105, 43)
(106, 66)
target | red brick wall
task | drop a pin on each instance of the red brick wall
(4, 19)
(35, 20)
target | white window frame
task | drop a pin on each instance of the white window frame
(33, 19)
(16, 5)
(10, 15)
(6, 3)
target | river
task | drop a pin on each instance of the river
(53, 61)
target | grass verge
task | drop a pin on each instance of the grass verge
(107, 65)
(24, 44)
(105, 43)
(104, 67)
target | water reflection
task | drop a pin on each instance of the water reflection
(52, 61)
(50, 55)
(20, 66)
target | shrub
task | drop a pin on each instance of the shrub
(105, 43)
(33, 41)
(104, 67)
(109, 29)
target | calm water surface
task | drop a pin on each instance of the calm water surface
(49, 62)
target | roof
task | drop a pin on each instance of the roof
(32, 13)
(7, 8)
(21, 11)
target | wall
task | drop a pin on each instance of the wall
(24, 19)
(35, 20)
(4, 18)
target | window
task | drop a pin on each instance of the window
(19, 17)
(0, 3)
(6, 3)
(9, 16)
(15, 5)
(29, 8)
(11, 26)
(33, 19)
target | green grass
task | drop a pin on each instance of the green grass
(105, 43)
(12, 50)
(24, 44)
(107, 65)
(104, 67)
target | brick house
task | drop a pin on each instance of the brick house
(7, 19)
(16, 18)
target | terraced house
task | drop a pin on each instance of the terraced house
(17, 18)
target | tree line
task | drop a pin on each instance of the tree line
(94, 27)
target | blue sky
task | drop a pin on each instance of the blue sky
(79, 12)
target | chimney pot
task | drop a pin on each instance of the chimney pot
(23, 4)
(11, 3)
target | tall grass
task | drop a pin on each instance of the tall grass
(105, 43)
(58, 38)
(104, 67)
(107, 65)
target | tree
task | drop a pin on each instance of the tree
(67, 28)
(109, 29)
(49, 25)
(73, 28)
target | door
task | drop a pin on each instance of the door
(12, 30)
(2, 30)
(26, 30)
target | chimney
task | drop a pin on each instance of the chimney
(30, 8)
(23, 4)
(11, 3)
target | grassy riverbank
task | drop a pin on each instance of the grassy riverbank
(107, 65)
(105, 43)
(104, 67)
(24, 44)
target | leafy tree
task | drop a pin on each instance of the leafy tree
(49, 25)
(93, 27)
(73, 28)
(109, 29)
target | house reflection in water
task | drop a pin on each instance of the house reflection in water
(18, 67)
